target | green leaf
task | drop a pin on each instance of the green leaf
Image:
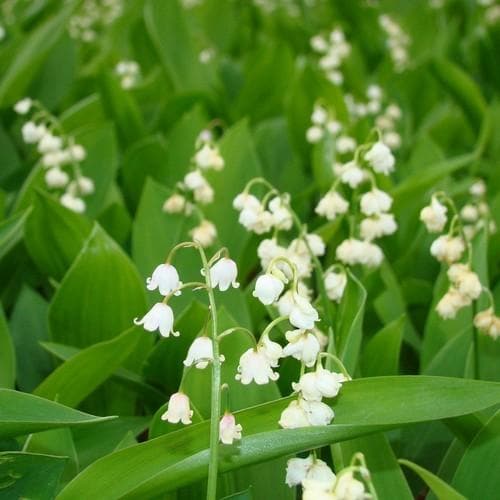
(364, 406)
(8, 363)
(388, 479)
(54, 235)
(462, 88)
(11, 232)
(381, 353)
(442, 490)
(478, 474)
(28, 326)
(242, 495)
(22, 413)
(349, 331)
(99, 296)
(167, 26)
(31, 56)
(75, 379)
(30, 475)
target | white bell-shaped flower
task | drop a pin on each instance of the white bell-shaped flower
(49, 143)
(294, 416)
(318, 490)
(451, 302)
(223, 274)
(200, 353)
(296, 470)
(375, 202)
(229, 430)
(56, 178)
(205, 233)
(316, 244)
(32, 133)
(352, 175)
(466, 281)
(380, 158)
(269, 249)
(303, 345)
(166, 278)
(314, 134)
(335, 283)
(159, 317)
(318, 413)
(282, 218)
(255, 365)
(268, 288)
(378, 226)
(82, 185)
(246, 201)
(434, 216)
(72, 202)
(349, 488)
(303, 315)
(272, 350)
(448, 248)
(23, 106)
(209, 157)
(319, 384)
(174, 204)
(178, 409)
(194, 180)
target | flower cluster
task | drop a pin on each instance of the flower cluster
(322, 122)
(397, 42)
(92, 17)
(451, 247)
(60, 155)
(195, 190)
(129, 73)
(374, 205)
(319, 482)
(220, 272)
(333, 49)
(476, 213)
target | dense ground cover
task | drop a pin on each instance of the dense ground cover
(249, 249)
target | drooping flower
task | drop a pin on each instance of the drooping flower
(351, 174)
(32, 133)
(380, 158)
(375, 202)
(282, 218)
(300, 469)
(209, 157)
(451, 302)
(335, 284)
(159, 317)
(448, 248)
(166, 278)
(272, 350)
(434, 216)
(200, 353)
(229, 430)
(331, 205)
(72, 202)
(223, 274)
(302, 413)
(349, 488)
(23, 106)
(255, 366)
(56, 178)
(302, 345)
(466, 281)
(303, 315)
(377, 226)
(174, 204)
(268, 288)
(321, 383)
(178, 409)
(205, 233)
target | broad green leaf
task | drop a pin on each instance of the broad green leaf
(349, 331)
(169, 31)
(11, 232)
(442, 490)
(28, 325)
(75, 379)
(181, 457)
(388, 479)
(22, 413)
(381, 353)
(242, 495)
(8, 357)
(54, 235)
(31, 55)
(99, 296)
(478, 474)
(462, 88)
(30, 475)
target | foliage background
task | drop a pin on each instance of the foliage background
(71, 284)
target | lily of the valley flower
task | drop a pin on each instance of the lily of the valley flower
(205, 233)
(448, 248)
(229, 430)
(72, 202)
(256, 366)
(335, 284)
(209, 157)
(300, 469)
(302, 413)
(380, 158)
(223, 274)
(321, 383)
(159, 317)
(200, 353)
(56, 178)
(349, 488)
(166, 278)
(23, 106)
(282, 218)
(375, 202)
(434, 216)
(268, 288)
(303, 345)
(178, 409)
(302, 315)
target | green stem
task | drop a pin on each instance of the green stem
(216, 388)
(273, 323)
